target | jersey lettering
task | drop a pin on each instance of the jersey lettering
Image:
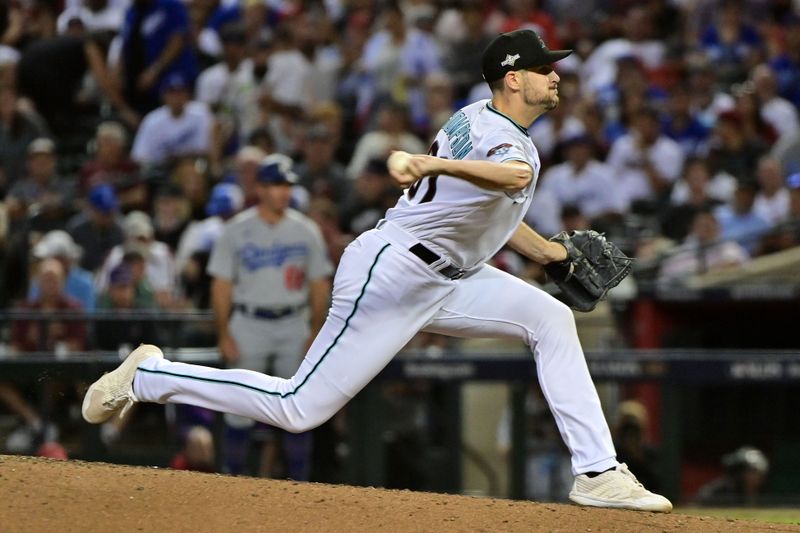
(457, 131)
(254, 257)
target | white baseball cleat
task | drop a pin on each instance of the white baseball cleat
(113, 392)
(619, 489)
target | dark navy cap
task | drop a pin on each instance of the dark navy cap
(121, 275)
(276, 169)
(517, 50)
(175, 81)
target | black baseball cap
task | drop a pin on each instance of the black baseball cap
(517, 50)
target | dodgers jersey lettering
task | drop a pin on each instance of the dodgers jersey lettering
(455, 218)
(270, 266)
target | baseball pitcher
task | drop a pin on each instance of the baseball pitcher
(424, 268)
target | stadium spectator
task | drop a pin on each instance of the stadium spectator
(326, 214)
(156, 46)
(630, 90)
(787, 64)
(731, 151)
(319, 172)
(191, 176)
(753, 124)
(78, 283)
(682, 126)
(373, 192)
(197, 453)
(583, 181)
(171, 210)
(28, 22)
(394, 62)
(194, 248)
(159, 265)
(392, 132)
(778, 112)
(92, 16)
(144, 295)
(708, 100)
(462, 57)
(702, 251)
(245, 168)
(42, 195)
(629, 434)
(97, 229)
(645, 162)
(787, 235)
(692, 193)
(180, 127)
(742, 483)
(286, 89)
(51, 73)
(208, 21)
(739, 222)
(125, 333)
(50, 335)
(229, 87)
(772, 199)
(111, 164)
(315, 33)
(731, 43)
(17, 130)
(526, 14)
(600, 68)
(438, 93)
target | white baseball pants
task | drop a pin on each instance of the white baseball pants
(383, 295)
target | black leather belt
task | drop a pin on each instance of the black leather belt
(430, 257)
(268, 313)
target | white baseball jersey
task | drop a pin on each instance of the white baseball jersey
(455, 218)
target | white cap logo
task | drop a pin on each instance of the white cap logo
(509, 60)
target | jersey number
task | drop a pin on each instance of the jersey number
(431, 192)
(294, 278)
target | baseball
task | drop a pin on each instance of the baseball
(398, 161)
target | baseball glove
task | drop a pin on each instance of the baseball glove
(592, 267)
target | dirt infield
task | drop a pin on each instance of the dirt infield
(45, 495)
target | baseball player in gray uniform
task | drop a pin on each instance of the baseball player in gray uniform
(424, 268)
(270, 293)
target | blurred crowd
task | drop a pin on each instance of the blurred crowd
(133, 128)
(131, 131)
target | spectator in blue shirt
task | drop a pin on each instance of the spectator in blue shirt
(682, 126)
(156, 43)
(730, 42)
(739, 222)
(787, 65)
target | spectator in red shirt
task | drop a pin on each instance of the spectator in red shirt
(112, 165)
(35, 335)
(197, 453)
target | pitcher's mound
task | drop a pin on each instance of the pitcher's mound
(65, 496)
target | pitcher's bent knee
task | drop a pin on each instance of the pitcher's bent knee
(304, 424)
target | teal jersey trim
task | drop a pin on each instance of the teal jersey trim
(491, 108)
(321, 359)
